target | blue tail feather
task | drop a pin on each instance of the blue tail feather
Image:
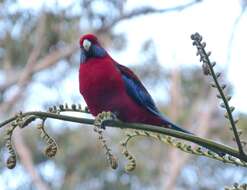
(177, 128)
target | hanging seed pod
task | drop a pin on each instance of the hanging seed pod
(132, 162)
(113, 162)
(51, 148)
(11, 162)
(111, 159)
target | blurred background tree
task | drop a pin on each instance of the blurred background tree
(39, 59)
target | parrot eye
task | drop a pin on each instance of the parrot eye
(86, 44)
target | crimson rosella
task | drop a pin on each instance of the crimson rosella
(109, 86)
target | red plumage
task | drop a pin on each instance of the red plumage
(103, 89)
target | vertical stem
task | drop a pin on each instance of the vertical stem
(229, 112)
(197, 38)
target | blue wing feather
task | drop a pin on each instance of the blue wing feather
(140, 95)
(137, 91)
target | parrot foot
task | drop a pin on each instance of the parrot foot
(103, 117)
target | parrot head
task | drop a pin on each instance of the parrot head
(90, 48)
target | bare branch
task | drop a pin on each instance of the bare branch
(145, 11)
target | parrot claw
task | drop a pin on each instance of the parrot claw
(103, 117)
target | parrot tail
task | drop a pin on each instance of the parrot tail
(177, 128)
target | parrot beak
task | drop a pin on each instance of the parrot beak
(83, 56)
(86, 45)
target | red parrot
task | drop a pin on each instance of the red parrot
(109, 86)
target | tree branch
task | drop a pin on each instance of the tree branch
(150, 128)
(147, 10)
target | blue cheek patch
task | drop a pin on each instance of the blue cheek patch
(98, 51)
(83, 57)
(95, 51)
